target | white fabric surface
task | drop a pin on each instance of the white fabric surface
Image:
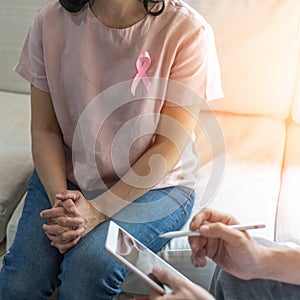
(288, 221)
(249, 190)
(15, 17)
(258, 45)
(296, 104)
(13, 223)
(15, 154)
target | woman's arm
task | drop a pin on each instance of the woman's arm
(175, 128)
(47, 144)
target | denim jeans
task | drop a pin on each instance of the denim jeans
(33, 268)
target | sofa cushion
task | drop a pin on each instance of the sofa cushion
(251, 164)
(296, 104)
(13, 223)
(288, 221)
(15, 18)
(258, 48)
(15, 155)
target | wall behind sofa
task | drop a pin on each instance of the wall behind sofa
(15, 19)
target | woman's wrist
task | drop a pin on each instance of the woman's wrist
(99, 216)
(108, 204)
(52, 196)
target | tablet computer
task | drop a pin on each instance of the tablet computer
(136, 257)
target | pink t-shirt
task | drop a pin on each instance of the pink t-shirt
(103, 80)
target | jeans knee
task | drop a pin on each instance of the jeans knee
(100, 276)
(105, 286)
(24, 284)
(12, 288)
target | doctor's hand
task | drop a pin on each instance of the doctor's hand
(233, 250)
(72, 219)
(182, 289)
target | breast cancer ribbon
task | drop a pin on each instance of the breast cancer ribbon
(142, 65)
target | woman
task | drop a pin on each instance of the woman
(104, 146)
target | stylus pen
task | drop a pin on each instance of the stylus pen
(174, 234)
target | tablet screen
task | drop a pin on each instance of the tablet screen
(136, 257)
(137, 254)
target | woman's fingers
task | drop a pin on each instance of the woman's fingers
(64, 228)
(70, 207)
(64, 209)
(66, 222)
(58, 215)
(59, 235)
(64, 248)
(53, 213)
(73, 195)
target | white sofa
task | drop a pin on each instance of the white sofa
(251, 168)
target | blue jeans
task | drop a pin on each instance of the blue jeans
(33, 268)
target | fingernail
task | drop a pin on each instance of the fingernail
(157, 269)
(193, 259)
(204, 228)
(78, 221)
(196, 261)
(59, 195)
(192, 245)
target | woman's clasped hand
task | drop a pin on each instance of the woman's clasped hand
(71, 218)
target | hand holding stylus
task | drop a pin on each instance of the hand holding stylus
(233, 250)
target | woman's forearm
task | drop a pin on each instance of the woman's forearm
(174, 130)
(47, 144)
(148, 170)
(282, 264)
(49, 160)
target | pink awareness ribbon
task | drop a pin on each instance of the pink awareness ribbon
(142, 65)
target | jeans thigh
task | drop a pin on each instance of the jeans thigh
(157, 212)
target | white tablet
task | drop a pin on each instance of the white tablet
(136, 257)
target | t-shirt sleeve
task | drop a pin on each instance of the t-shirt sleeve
(31, 62)
(196, 65)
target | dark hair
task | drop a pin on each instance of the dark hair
(76, 5)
